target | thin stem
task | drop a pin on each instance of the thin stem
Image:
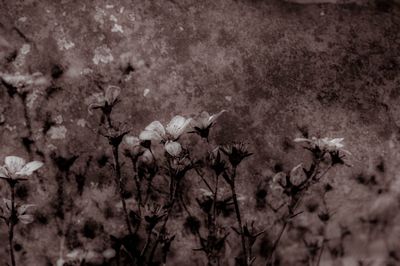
(213, 259)
(276, 243)
(108, 118)
(146, 246)
(164, 225)
(239, 219)
(23, 98)
(148, 191)
(139, 191)
(203, 179)
(293, 208)
(11, 224)
(120, 188)
(321, 252)
(214, 219)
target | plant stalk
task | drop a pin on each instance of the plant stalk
(120, 188)
(239, 219)
(11, 224)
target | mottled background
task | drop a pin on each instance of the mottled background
(279, 68)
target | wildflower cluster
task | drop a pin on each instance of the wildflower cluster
(169, 170)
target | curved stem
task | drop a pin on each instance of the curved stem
(239, 219)
(11, 224)
(276, 243)
(173, 195)
(320, 253)
(293, 208)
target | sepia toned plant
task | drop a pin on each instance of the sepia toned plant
(295, 184)
(204, 133)
(158, 189)
(16, 170)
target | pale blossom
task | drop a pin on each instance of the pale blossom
(22, 81)
(16, 167)
(329, 144)
(204, 122)
(168, 135)
(106, 99)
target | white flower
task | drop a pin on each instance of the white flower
(107, 99)
(329, 144)
(206, 120)
(20, 81)
(16, 167)
(168, 135)
(173, 148)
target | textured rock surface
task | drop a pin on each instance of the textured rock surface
(277, 67)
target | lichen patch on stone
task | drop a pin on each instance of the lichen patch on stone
(103, 55)
(57, 132)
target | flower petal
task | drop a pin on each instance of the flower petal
(202, 120)
(147, 158)
(21, 210)
(173, 148)
(297, 175)
(14, 164)
(177, 126)
(60, 262)
(206, 192)
(302, 139)
(157, 127)
(214, 117)
(75, 254)
(279, 179)
(111, 94)
(131, 140)
(26, 218)
(109, 253)
(149, 135)
(29, 168)
(3, 172)
(95, 105)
